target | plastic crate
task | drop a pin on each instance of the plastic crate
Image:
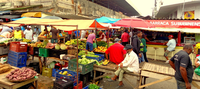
(4, 50)
(17, 59)
(43, 52)
(73, 77)
(80, 85)
(96, 58)
(63, 84)
(54, 71)
(36, 51)
(47, 71)
(87, 87)
(30, 50)
(101, 55)
(56, 53)
(84, 69)
(18, 46)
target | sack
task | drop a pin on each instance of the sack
(94, 45)
(197, 71)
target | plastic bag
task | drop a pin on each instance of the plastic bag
(94, 45)
(197, 71)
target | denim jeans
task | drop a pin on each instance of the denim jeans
(141, 59)
(180, 84)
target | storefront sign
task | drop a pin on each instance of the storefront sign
(175, 23)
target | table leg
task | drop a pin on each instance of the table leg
(44, 61)
(36, 84)
(40, 64)
(94, 76)
(32, 57)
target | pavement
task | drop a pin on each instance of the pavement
(162, 85)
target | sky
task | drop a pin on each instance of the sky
(145, 7)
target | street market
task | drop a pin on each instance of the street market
(85, 50)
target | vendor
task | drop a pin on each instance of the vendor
(77, 33)
(6, 34)
(102, 36)
(55, 35)
(17, 33)
(197, 61)
(44, 33)
(5, 29)
(28, 33)
(171, 45)
(83, 34)
(129, 64)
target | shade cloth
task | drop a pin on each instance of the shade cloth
(32, 14)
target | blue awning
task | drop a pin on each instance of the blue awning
(18, 18)
(106, 20)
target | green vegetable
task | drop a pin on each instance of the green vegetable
(57, 46)
(93, 86)
(102, 43)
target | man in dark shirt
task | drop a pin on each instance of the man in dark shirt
(182, 64)
(55, 35)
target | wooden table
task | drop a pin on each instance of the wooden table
(162, 73)
(4, 83)
(40, 38)
(111, 68)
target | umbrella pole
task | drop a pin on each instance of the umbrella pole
(77, 56)
(108, 37)
(95, 31)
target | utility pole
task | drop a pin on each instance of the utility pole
(182, 16)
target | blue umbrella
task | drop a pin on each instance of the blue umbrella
(106, 20)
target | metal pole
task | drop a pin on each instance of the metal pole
(108, 37)
(182, 16)
(77, 56)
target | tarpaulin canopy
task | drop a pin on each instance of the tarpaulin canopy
(161, 29)
(133, 22)
(109, 25)
(82, 24)
(106, 20)
(32, 14)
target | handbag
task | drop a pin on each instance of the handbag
(197, 71)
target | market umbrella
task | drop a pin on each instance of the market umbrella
(51, 17)
(133, 22)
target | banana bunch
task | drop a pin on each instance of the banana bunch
(68, 43)
(105, 62)
(26, 40)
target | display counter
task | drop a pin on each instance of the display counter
(156, 51)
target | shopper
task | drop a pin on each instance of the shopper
(55, 35)
(125, 38)
(182, 64)
(116, 52)
(90, 39)
(28, 33)
(129, 64)
(171, 44)
(5, 29)
(102, 36)
(17, 33)
(138, 45)
(145, 47)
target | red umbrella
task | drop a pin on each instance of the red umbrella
(133, 22)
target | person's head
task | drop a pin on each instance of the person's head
(36, 28)
(92, 31)
(28, 27)
(170, 37)
(143, 35)
(100, 32)
(188, 48)
(129, 30)
(128, 48)
(139, 34)
(18, 28)
(117, 40)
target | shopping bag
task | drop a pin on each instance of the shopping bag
(197, 71)
(94, 45)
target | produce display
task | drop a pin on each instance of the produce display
(93, 86)
(85, 61)
(65, 73)
(197, 46)
(26, 40)
(88, 54)
(19, 75)
(102, 43)
(82, 43)
(100, 49)
(57, 46)
(4, 68)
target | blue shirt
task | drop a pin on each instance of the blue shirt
(76, 33)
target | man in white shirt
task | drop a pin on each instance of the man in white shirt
(171, 45)
(83, 33)
(129, 64)
(28, 33)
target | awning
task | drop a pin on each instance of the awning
(18, 18)
(5, 12)
(106, 20)
(32, 14)
(109, 25)
(9, 16)
(161, 29)
(82, 24)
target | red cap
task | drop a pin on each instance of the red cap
(171, 36)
